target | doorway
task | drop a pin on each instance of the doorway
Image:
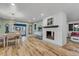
(21, 28)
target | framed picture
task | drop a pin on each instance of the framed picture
(39, 28)
(50, 21)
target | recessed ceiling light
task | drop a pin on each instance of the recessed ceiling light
(12, 4)
(42, 14)
(33, 18)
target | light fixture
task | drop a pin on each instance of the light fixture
(42, 14)
(13, 4)
(33, 18)
(12, 10)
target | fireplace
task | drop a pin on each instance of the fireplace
(50, 35)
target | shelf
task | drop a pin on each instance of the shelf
(52, 26)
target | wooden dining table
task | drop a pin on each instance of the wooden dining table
(7, 37)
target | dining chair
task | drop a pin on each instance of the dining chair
(2, 39)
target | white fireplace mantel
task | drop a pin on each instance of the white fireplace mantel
(59, 28)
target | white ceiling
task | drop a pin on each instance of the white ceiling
(33, 11)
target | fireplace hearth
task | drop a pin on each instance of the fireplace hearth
(50, 35)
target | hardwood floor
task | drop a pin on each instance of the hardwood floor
(35, 47)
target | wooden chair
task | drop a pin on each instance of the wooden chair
(12, 37)
(2, 39)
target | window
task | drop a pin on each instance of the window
(76, 27)
(70, 27)
(21, 28)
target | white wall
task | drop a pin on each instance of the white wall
(71, 22)
(60, 32)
